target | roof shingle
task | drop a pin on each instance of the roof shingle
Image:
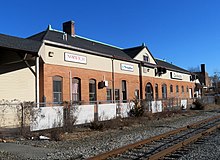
(21, 44)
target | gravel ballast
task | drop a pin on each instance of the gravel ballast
(98, 142)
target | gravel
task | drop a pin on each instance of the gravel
(209, 149)
(99, 142)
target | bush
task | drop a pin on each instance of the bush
(197, 105)
(137, 109)
(95, 125)
(55, 135)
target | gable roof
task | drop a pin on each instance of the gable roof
(80, 42)
(132, 52)
(91, 45)
(170, 66)
(19, 44)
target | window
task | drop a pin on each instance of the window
(171, 88)
(149, 92)
(136, 94)
(187, 89)
(76, 89)
(164, 91)
(124, 90)
(109, 95)
(177, 89)
(182, 89)
(117, 94)
(156, 91)
(92, 90)
(146, 58)
(57, 89)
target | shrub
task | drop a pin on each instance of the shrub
(95, 125)
(137, 109)
(55, 135)
(197, 105)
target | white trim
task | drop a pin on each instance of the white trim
(37, 79)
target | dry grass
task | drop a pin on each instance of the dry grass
(211, 107)
(122, 123)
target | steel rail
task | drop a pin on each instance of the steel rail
(182, 144)
(149, 140)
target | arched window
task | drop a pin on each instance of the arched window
(57, 89)
(124, 90)
(177, 89)
(156, 91)
(164, 91)
(92, 90)
(171, 88)
(182, 89)
(76, 89)
(149, 92)
(187, 89)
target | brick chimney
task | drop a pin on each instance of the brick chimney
(203, 68)
(68, 27)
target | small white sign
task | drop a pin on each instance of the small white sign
(176, 75)
(75, 58)
(127, 67)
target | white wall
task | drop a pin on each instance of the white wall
(84, 114)
(9, 117)
(106, 111)
(156, 106)
(19, 84)
(46, 118)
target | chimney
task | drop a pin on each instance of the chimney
(203, 68)
(68, 27)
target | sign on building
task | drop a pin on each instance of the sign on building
(127, 67)
(69, 57)
(175, 75)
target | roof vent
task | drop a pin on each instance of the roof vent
(68, 27)
(65, 37)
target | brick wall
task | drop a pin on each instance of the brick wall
(85, 75)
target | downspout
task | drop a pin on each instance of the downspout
(141, 81)
(113, 81)
(71, 95)
(37, 79)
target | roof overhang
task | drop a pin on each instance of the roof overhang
(17, 53)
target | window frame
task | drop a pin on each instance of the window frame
(146, 58)
(60, 92)
(182, 89)
(92, 94)
(171, 88)
(78, 93)
(156, 91)
(124, 90)
(177, 89)
(109, 96)
(164, 91)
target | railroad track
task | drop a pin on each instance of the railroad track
(160, 146)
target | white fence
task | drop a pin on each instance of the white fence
(46, 118)
(51, 117)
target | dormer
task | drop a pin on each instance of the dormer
(140, 53)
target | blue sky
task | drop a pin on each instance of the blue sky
(184, 32)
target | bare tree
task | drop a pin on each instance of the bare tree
(194, 69)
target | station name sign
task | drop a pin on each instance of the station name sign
(127, 67)
(176, 75)
(69, 57)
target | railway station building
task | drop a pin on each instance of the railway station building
(57, 66)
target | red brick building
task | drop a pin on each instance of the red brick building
(73, 68)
